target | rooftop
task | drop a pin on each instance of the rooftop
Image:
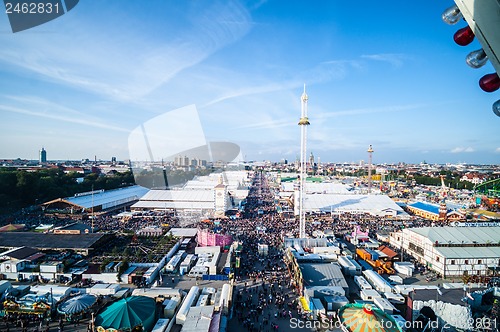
(19, 253)
(350, 203)
(469, 252)
(453, 296)
(432, 208)
(322, 275)
(105, 197)
(460, 235)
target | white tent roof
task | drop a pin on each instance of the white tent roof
(159, 205)
(460, 235)
(179, 196)
(349, 203)
(319, 187)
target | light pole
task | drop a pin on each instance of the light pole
(370, 152)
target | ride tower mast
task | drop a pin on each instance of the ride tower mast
(370, 152)
(303, 123)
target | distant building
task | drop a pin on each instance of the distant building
(43, 156)
(98, 200)
(434, 212)
(16, 260)
(475, 178)
(181, 161)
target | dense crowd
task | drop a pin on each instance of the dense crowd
(133, 222)
(103, 222)
(264, 297)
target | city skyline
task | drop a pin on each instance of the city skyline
(383, 75)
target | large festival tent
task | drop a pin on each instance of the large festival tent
(128, 313)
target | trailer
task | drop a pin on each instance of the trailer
(187, 264)
(369, 294)
(174, 262)
(384, 305)
(405, 268)
(169, 306)
(334, 303)
(181, 316)
(362, 283)
(363, 254)
(225, 299)
(203, 300)
(198, 271)
(349, 266)
(185, 244)
(379, 283)
(394, 298)
(161, 325)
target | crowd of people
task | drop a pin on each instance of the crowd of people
(133, 222)
(346, 222)
(264, 298)
(100, 221)
(267, 294)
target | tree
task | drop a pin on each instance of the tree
(27, 186)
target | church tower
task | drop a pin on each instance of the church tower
(443, 211)
(221, 199)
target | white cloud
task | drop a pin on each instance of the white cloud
(322, 73)
(38, 107)
(462, 150)
(371, 110)
(497, 150)
(396, 60)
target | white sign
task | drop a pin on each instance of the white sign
(476, 224)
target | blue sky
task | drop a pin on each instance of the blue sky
(382, 73)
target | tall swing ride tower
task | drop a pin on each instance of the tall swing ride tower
(303, 123)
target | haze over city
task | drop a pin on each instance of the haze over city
(385, 74)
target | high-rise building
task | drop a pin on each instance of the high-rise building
(43, 156)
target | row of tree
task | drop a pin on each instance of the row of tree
(20, 188)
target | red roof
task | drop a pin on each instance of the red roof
(388, 251)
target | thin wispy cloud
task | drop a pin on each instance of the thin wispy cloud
(61, 114)
(257, 4)
(371, 110)
(248, 91)
(462, 150)
(126, 69)
(396, 60)
(497, 150)
(322, 73)
(270, 124)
